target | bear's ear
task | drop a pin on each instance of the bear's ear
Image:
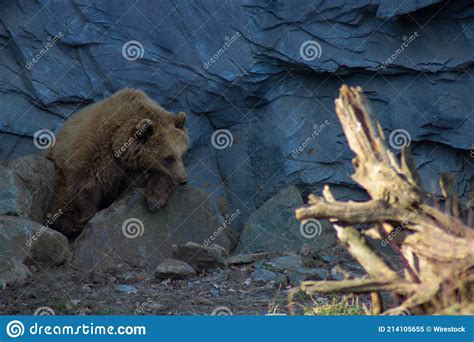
(180, 120)
(145, 130)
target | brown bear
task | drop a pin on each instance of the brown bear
(106, 147)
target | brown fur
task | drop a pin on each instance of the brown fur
(102, 147)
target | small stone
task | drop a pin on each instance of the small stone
(215, 292)
(200, 257)
(263, 275)
(174, 269)
(321, 273)
(337, 275)
(127, 289)
(297, 276)
(329, 259)
(240, 259)
(287, 262)
(50, 247)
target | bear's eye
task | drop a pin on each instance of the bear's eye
(169, 161)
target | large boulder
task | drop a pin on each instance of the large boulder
(127, 234)
(274, 228)
(26, 186)
(24, 242)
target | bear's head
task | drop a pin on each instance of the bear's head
(158, 144)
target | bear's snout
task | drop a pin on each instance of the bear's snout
(183, 182)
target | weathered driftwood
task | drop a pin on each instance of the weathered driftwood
(435, 248)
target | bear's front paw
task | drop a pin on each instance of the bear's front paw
(157, 190)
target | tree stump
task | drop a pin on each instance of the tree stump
(435, 247)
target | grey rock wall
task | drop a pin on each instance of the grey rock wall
(266, 71)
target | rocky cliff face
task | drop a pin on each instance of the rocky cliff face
(257, 78)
